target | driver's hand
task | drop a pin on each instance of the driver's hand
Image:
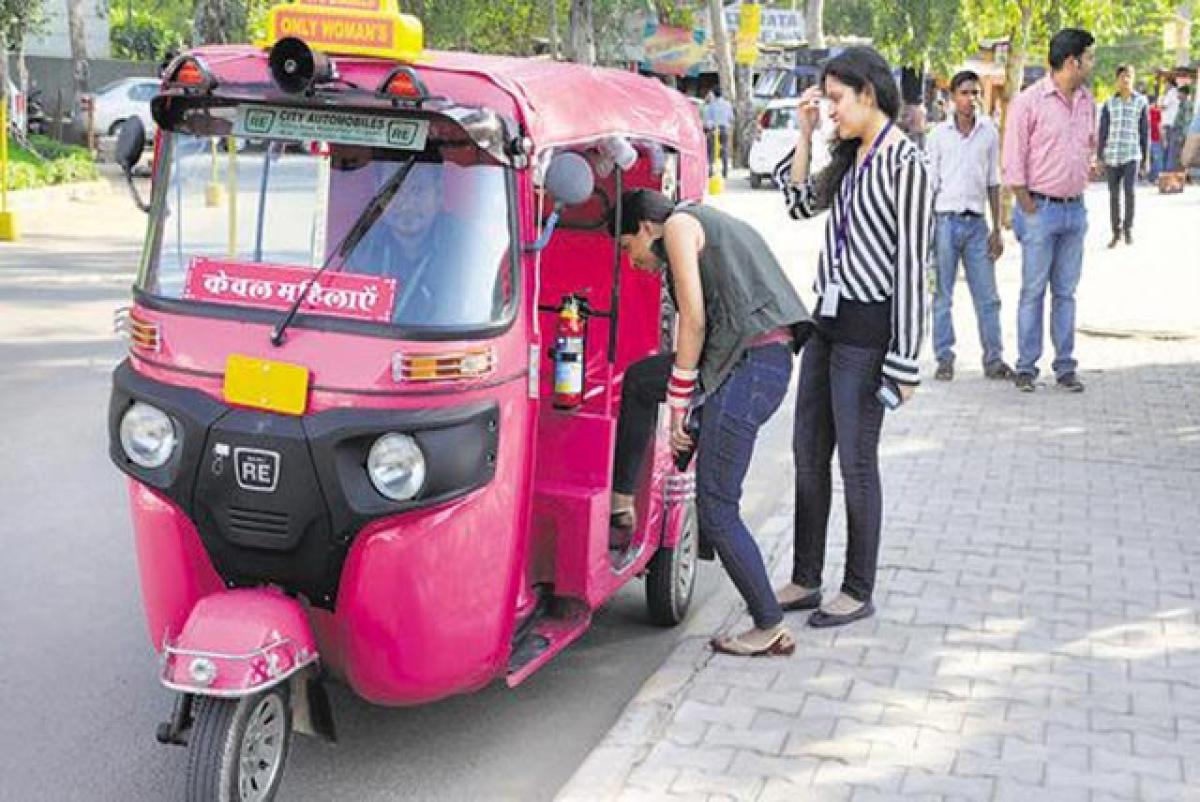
(907, 391)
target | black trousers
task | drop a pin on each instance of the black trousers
(1121, 174)
(836, 406)
(645, 388)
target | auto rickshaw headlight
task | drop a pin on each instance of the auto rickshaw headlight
(147, 435)
(396, 466)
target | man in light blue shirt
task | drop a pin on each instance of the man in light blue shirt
(718, 122)
(964, 153)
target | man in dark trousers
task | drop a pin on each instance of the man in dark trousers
(1124, 147)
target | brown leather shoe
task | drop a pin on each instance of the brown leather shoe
(999, 370)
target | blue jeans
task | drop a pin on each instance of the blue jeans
(1051, 254)
(836, 406)
(962, 237)
(1157, 160)
(731, 418)
(1170, 150)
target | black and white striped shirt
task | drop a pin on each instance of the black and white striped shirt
(888, 243)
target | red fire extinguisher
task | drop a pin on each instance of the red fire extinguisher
(568, 355)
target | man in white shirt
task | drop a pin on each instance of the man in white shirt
(964, 154)
(1170, 114)
(718, 122)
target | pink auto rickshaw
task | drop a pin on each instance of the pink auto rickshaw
(376, 349)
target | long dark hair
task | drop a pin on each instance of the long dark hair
(857, 68)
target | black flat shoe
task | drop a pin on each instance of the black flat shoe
(821, 619)
(810, 602)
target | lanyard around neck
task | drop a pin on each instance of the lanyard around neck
(843, 227)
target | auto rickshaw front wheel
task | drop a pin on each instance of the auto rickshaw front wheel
(237, 747)
(671, 575)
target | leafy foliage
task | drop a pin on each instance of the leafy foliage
(22, 19)
(942, 33)
(143, 37)
(54, 163)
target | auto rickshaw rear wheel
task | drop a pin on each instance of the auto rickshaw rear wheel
(237, 747)
(671, 575)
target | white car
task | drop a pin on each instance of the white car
(778, 130)
(120, 100)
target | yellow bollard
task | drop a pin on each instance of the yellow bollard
(716, 182)
(214, 193)
(8, 220)
(233, 192)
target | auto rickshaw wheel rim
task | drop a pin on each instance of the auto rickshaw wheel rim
(686, 556)
(260, 756)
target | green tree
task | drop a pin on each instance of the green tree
(942, 33)
(142, 36)
(19, 21)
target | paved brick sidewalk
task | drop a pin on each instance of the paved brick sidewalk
(1038, 635)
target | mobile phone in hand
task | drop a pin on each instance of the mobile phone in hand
(888, 393)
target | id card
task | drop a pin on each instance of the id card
(829, 301)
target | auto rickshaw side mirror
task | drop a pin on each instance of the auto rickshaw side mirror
(570, 181)
(131, 141)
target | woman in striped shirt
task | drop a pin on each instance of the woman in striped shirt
(870, 321)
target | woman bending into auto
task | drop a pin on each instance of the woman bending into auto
(737, 314)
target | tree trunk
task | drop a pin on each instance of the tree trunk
(744, 125)
(583, 32)
(4, 71)
(722, 54)
(1014, 73)
(218, 22)
(814, 23)
(22, 68)
(79, 56)
(554, 29)
(1184, 13)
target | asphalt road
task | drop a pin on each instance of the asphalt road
(77, 672)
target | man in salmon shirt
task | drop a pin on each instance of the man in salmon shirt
(1049, 145)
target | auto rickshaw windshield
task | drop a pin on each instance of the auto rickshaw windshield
(435, 221)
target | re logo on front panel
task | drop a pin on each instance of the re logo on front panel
(256, 469)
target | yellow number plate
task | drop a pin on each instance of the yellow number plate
(263, 384)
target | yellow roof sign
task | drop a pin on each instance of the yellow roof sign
(348, 27)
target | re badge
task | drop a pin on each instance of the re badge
(256, 469)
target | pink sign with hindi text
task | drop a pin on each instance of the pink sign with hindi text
(266, 286)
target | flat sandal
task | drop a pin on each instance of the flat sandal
(782, 645)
